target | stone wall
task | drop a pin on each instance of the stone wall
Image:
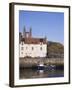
(29, 62)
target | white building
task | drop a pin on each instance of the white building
(32, 47)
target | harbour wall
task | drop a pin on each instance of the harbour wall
(30, 62)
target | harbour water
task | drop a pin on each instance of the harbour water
(44, 73)
(41, 68)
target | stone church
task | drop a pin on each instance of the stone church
(31, 46)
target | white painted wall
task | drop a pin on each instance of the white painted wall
(26, 50)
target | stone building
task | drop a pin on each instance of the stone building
(31, 46)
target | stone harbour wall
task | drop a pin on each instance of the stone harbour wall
(29, 62)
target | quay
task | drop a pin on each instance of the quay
(32, 62)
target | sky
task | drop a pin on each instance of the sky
(43, 24)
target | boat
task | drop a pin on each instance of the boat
(51, 67)
(40, 66)
(45, 67)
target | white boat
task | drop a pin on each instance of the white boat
(40, 66)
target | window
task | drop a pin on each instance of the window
(32, 48)
(21, 52)
(40, 48)
(22, 48)
(22, 43)
(26, 47)
(26, 54)
(41, 43)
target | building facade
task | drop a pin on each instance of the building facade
(30, 46)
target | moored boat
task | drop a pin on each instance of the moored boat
(45, 67)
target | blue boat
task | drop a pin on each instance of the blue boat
(40, 67)
(46, 67)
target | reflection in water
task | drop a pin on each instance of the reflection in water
(34, 73)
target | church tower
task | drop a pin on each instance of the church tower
(27, 34)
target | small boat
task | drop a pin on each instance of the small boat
(45, 67)
(40, 66)
(50, 67)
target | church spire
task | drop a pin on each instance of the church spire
(24, 30)
(30, 32)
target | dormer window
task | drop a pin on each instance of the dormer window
(41, 43)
